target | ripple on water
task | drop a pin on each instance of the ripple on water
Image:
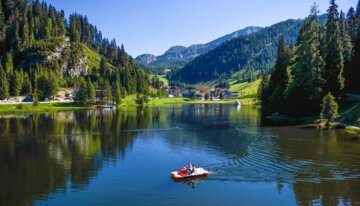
(264, 161)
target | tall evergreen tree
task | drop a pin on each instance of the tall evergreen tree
(334, 58)
(26, 86)
(263, 94)
(91, 93)
(305, 85)
(81, 96)
(352, 71)
(279, 78)
(9, 65)
(4, 85)
(352, 25)
(16, 84)
(116, 89)
(345, 38)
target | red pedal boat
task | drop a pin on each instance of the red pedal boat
(185, 174)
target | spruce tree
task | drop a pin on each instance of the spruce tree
(279, 78)
(9, 66)
(82, 97)
(345, 38)
(304, 91)
(334, 58)
(263, 94)
(116, 89)
(329, 109)
(352, 71)
(4, 85)
(16, 84)
(48, 28)
(352, 25)
(26, 86)
(91, 93)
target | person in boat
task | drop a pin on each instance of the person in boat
(191, 168)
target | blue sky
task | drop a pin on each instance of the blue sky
(153, 26)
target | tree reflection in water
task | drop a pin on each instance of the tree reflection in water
(39, 152)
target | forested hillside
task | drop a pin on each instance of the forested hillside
(178, 56)
(319, 69)
(248, 57)
(41, 50)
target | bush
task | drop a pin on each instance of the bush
(19, 106)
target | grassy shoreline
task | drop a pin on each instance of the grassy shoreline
(41, 108)
(126, 103)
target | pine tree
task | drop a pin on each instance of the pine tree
(345, 38)
(4, 85)
(116, 89)
(329, 109)
(81, 96)
(279, 78)
(91, 93)
(352, 70)
(263, 94)
(9, 66)
(334, 59)
(48, 28)
(352, 25)
(303, 94)
(16, 84)
(26, 87)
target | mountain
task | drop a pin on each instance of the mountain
(244, 58)
(179, 55)
(246, 55)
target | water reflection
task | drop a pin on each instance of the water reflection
(43, 155)
(39, 153)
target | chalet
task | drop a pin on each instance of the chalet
(172, 90)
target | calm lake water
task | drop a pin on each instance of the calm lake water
(106, 157)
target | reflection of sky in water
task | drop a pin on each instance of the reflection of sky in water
(109, 157)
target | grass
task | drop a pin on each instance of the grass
(43, 107)
(163, 78)
(247, 88)
(352, 129)
(93, 58)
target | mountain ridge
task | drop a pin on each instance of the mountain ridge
(246, 57)
(178, 55)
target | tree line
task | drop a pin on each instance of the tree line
(323, 63)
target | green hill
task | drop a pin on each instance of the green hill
(246, 57)
(42, 50)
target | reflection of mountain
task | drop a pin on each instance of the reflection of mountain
(39, 153)
(211, 125)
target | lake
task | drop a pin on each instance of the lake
(118, 157)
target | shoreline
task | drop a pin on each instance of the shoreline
(45, 107)
(72, 106)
